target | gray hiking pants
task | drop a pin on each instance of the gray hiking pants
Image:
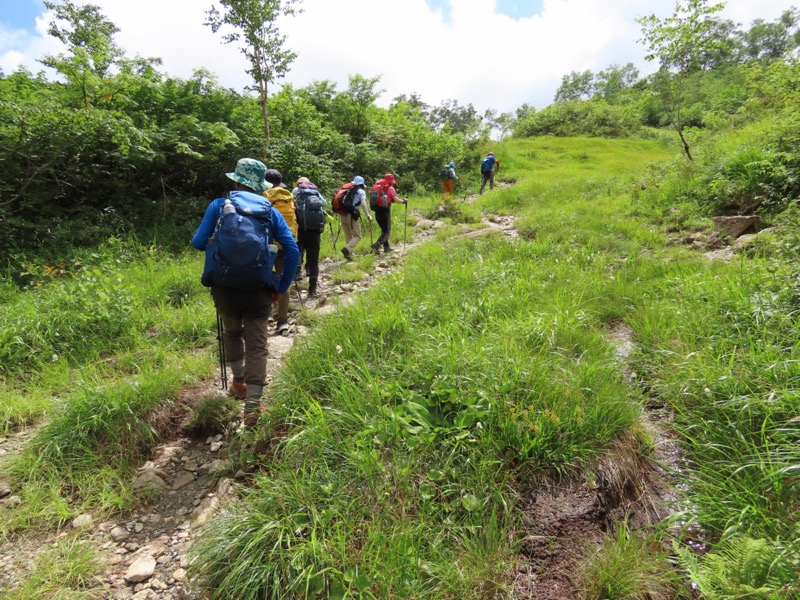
(244, 319)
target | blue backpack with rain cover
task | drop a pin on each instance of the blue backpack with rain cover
(487, 164)
(243, 253)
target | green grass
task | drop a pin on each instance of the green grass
(626, 567)
(401, 430)
(402, 425)
(94, 354)
(65, 571)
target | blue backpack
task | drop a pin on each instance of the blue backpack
(243, 253)
(308, 208)
(487, 164)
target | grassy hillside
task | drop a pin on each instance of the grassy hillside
(406, 431)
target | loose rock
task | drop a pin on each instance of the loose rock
(142, 569)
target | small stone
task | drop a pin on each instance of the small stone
(149, 482)
(157, 584)
(131, 547)
(141, 569)
(82, 522)
(224, 487)
(206, 510)
(179, 575)
(138, 527)
(215, 446)
(119, 534)
(12, 501)
(734, 226)
(182, 480)
(5, 489)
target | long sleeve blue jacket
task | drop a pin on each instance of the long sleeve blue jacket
(279, 231)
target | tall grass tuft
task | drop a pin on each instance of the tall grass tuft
(626, 567)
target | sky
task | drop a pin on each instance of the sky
(496, 54)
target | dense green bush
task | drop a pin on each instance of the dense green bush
(595, 118)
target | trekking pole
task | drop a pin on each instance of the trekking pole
(297, 290)
(405, 223)
(223, 372)
(370, 232)
(335, 253)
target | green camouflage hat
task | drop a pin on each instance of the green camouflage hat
(251, 172)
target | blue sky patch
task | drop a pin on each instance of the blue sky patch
(516, 9)
(21, 14)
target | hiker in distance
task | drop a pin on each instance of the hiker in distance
(448, 177)
(310, 211)
(489, 166)
(282, 200)
(381, 197)
(238, 234)
(349, 202)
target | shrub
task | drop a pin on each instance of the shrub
(594, 118)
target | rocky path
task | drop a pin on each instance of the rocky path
(145, 552)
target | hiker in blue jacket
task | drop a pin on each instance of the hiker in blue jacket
(489, 165)
(245, 312)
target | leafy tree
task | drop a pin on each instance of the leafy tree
(524, 110)
(89, 38)
(575, 86)
(357, 101)
(320, 94)
(612, 82)
(458, 119)
(769, 42)
(683, 44)
(254, 28)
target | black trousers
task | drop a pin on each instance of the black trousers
(383, 217)
(308, 242)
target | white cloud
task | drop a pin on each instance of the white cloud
(19, 47)
(474, 55)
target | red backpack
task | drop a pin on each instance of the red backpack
(378, 196)
(343, 202)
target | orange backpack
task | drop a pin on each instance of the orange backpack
(343, 202)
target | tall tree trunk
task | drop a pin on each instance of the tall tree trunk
(265, 115)
(685, 144)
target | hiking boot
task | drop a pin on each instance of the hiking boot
(238, 389)
(282, 328)
(252, 412)
(387, 249)
(376, 248)
(347, 254)
(312, 287)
